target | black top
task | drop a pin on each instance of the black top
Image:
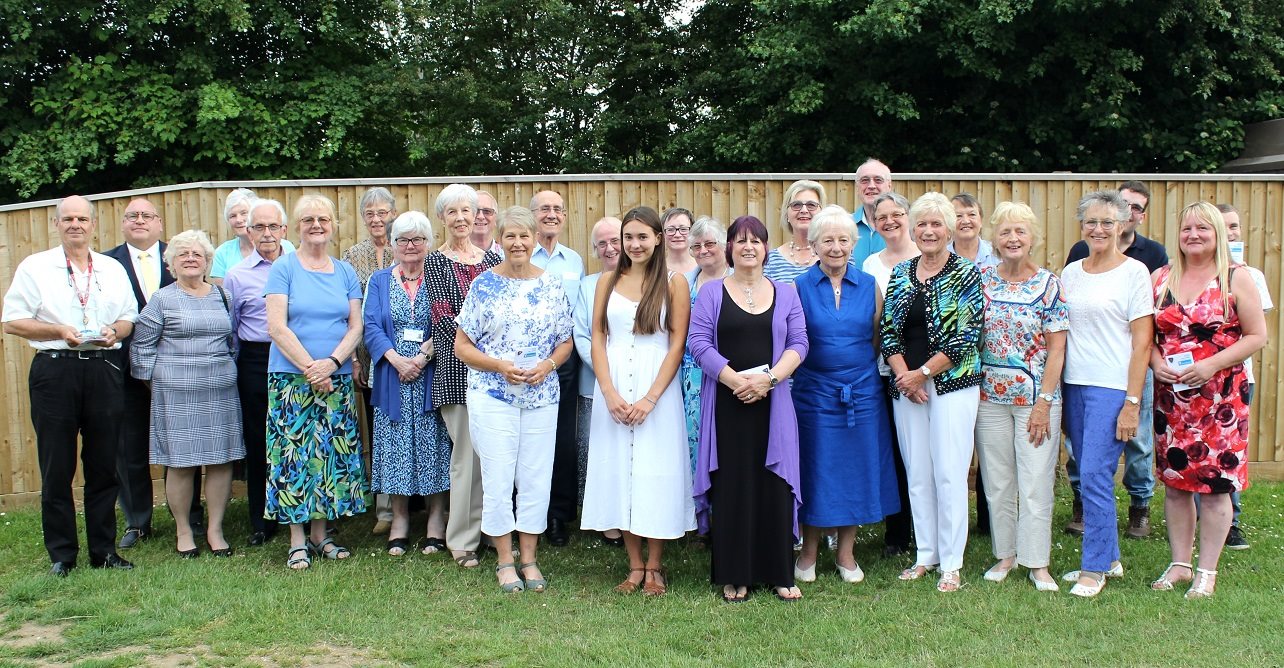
(917, 347)
(1148, 251)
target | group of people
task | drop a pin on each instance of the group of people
(765, 396)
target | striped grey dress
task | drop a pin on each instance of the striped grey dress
(183, 345)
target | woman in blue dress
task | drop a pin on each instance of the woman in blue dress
(844, 434)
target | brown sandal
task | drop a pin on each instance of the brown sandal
(653, 588)
(629, 586)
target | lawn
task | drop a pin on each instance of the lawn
(417, 610)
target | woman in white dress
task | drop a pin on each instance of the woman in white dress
(639, 474)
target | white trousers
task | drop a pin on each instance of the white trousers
(1018, 478)
(515, 447)
(936, 444)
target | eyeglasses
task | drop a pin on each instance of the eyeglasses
(489, 213)
(143, 216)
(309, 220)
(876, 180)
(678, 230)
(799, 206)
(1136, 208)
(549, 208)
(706, 246)
(190, 254)
(608, 243)
(412, 241)
(273, 228)
(898, 215)
(377, 213)
(1106, 225)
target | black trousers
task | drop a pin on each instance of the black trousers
(898, 525)
(133, 453)
(251, 382)
(564, 495)
(73, 397)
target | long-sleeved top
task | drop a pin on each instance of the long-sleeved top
(583, 332)
(788, 332)
(380, 336)
(955, 306)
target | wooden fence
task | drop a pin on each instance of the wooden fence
(28, 228)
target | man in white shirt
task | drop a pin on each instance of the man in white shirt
(567, 265)
(74, 306)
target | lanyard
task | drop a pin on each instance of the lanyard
(81, 295)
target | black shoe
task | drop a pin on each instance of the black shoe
(556, 533)
(258, 538)
(113, 560)
(134, 536)
(62, 569)
(618, 541)
(225, 552)
(895, 550)
(1235, 539)
(188, 554)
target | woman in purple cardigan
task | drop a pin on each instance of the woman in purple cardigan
(748, 335)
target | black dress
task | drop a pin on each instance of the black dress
(751, 524)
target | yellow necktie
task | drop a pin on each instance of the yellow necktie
(150, 280)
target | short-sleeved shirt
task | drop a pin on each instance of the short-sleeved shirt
(1014, 348)
(868, 241)
(318, 309)
(778, 268)
(563, 264)
(503, 316)
(42, 290)
(1102, 307)
(228, 255)
(1264, 293)
(1146, 251)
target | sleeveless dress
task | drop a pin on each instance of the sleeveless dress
(1201, 434)
(639, 478)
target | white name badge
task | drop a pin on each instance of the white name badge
(415, 335)
(1179, 363)
(1236, 251)
(758, 369)
(526, 358)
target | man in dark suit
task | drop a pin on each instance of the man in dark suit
(142, 256)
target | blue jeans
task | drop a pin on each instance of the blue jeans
(1139, 452)
(1090, 417)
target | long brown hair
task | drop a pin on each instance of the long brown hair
(655, 281)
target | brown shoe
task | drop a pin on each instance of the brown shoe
(1075, 526)
(1138, 522)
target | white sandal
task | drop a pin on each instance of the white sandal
(1163, 583)
(1200, 588)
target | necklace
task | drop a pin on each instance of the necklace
(456, 255)
(748, 290)
(314, 267)
(795, 249)
(82, 296)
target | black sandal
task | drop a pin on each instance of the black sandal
(398, 544)
(431, 545)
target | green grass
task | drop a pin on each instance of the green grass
(376, 610)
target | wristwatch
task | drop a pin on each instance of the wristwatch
(926, 371)
(1046, 397)
(772, 379)
(1135, 401)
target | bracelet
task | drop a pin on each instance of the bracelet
(332, 359)
(550, 361)
(648, 398)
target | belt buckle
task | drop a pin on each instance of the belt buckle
(84, 354)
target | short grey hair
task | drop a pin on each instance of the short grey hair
(249, 221)
(605, 220)
(832, 216)
(376, 195)
(190, 240)
(93, 212)
(1110, 198)
(893, 197)
(791, 192)
(412, 221)
(933, 203)
(236, 198)
(708, 226)
(515, 216)
(456, 192)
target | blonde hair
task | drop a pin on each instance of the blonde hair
(792, 192)
(190, 240)
(314, 201)
(932, 202)
(1205, 212)
(1015, 212)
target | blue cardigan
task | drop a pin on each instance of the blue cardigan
(381, 335)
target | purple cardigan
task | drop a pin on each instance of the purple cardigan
(788, 332)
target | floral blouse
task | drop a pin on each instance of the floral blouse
(954, 314)
(506, 316)
(1014, 349)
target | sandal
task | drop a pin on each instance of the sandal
(781, 591)
(513, 587)
(653, 588)
(1201, 589)
(1163, 583)
(335, 553)
(537, 585)
(950, 581)
(299, 563)
(398, 544)
(629, 586)
(1088, 591)
(917, 571)
(468, 559)
(431, 545)
(731, 594)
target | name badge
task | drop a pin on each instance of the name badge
(570, 276)
(415, 335)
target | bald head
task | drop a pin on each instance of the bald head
(75, 221)
(873, 178)
(141, 224)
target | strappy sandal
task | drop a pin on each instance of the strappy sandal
(1200, 588)
(734, 595)
(335, 553)
(514, 587)
(653, 588)
(398, 544)
(468, 559)
(1163, 583)
(950, 582)
(917, 571)
(431, 545)
(537, 585)
(293, 562)
(629, 586)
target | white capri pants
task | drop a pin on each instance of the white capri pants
(936, 444)
(515, 447)
(1019, 476)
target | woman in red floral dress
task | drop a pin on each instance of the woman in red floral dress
(1204, 335)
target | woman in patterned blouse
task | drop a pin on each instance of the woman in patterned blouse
(1020, 415)
(514, 331)
(930, 330)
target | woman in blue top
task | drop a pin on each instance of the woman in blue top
(844, 434)
(801, 202)
(314, 448)
(410, 449)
